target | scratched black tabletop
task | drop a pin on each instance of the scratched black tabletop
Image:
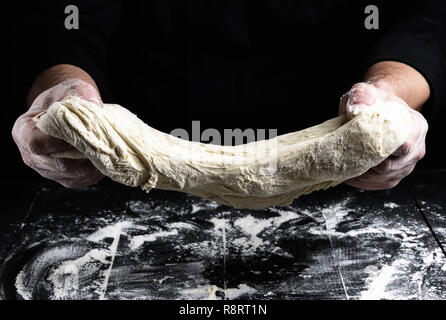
(115, 242)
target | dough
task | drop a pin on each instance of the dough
(253, 175)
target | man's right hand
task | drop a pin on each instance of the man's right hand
(36, 147)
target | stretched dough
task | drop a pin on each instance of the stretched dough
(253, 175)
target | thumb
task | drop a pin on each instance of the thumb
(361, 95)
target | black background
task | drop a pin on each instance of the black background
(209, 99)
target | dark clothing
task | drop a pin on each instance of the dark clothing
(232, 63)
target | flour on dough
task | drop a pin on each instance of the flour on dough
(253, 175)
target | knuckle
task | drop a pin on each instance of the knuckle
(78, 168)
(66, 165)
(359, 89)
(60, 166)
(360, 86)
(404, 149)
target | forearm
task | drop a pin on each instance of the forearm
(401, 80)
(54, 76)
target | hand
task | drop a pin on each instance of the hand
(35, 146)
(400, 164)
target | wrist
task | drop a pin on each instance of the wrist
(401, 80)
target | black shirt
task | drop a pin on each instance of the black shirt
(231, 63)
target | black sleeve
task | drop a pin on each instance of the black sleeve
(40, 39)
(418, 40)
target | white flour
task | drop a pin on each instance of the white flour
(138, 241)
(391, 205)
(21, 287)
(253, 226)
(209, 292)
(248, 235)
(65, 278)
(111, 231)
(334, 214)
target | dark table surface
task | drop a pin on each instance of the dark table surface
(114, 242)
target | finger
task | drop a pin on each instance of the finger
(28, 136)
(379, 183)
(66, 168)
(85, 172)
(388, 166)
(403, 150)
(372, 180)
(412, 154)
(411, 151)
(410, 144)
(83, 169)
(371, 186)
(375, 177)
(80, 183)
(363, 185)
(369, 177)
(362, 93)
(87, 175)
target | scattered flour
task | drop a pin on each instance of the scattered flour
(334, 214)
(391, 205)
(21, 287)
(379, 280)
(111, 231)
(160, 281)
(383, 283)
(219, 224)
(65, 278)
(253, 226)
(204, 205)
(182, 225)
(138, 241)
(210, 292)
